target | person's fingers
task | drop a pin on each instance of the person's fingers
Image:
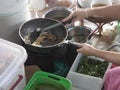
(68, 19)
(78, 50)
(81, 44)
(76, 21)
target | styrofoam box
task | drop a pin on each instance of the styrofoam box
(12, 59)
(82, 81)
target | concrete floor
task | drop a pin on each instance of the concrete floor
(29, 71)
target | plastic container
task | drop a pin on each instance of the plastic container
(37, 4)
(12, 58)
(12, 14)
(47, 81)
(99, 3)
(82, 81)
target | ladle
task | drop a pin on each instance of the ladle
(36, 32)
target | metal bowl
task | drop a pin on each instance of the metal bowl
(79, 33)
(57, 13)
(84, 3)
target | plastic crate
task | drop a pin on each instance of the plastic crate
(83, 81)
(12, 59)
(47, 81)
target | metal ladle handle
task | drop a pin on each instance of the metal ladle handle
(51, 26)
(75, 44)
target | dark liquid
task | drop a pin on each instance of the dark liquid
(59, 18)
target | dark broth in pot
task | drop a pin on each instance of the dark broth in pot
(59, 18)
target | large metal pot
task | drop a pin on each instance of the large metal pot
(59, 31)
(57, 13)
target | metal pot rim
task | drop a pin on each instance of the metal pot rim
(42, 46)
(56, 8)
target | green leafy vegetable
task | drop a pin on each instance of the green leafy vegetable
(92, 67)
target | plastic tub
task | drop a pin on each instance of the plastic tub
(47, 81)
(83, 81)
(12, 58)
(12, 14)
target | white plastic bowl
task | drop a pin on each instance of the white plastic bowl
(57, 13)
(84, 3)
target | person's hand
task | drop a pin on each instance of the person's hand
(77, 15)
(86, 49)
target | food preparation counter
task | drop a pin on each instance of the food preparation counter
(31, 69)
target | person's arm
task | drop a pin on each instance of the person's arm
(113, 57)
(86, 49)
(106, 11)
